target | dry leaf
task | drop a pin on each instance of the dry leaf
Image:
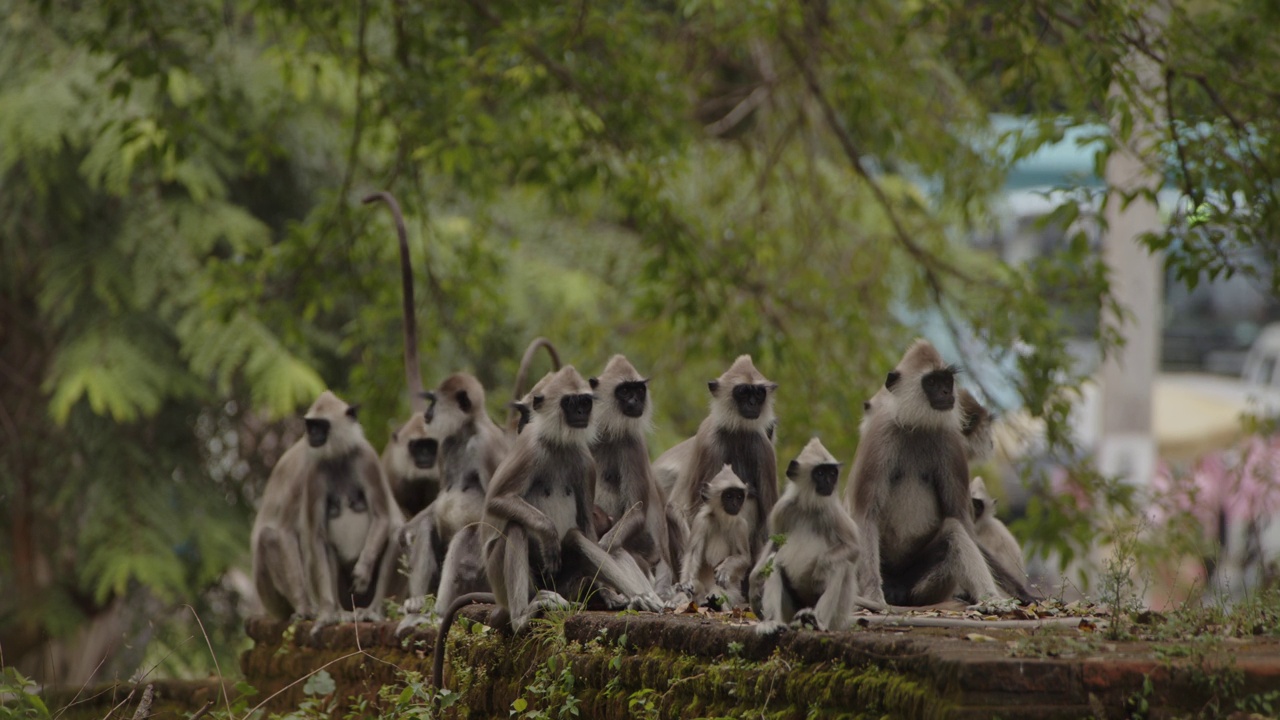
(979, 637)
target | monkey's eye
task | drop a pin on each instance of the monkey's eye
(892, 379)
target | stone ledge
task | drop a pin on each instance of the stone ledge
(902, 671)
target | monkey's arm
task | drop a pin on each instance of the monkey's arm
(693, 554)
(375, 542)
(631, 522)
(767, 493)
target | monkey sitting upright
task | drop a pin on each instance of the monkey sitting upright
(343, 519)
(409, 462)
(625, 487)
(472, 446)
(909, 492)
(811, 578)
(720, 552)
(738, 430)
(538, 510)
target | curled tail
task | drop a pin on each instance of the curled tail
(523, 373)
(442, 634)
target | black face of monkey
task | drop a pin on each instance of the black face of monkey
(979, 507)
(317, 431)
(577, 410)
(939, 387)
(824, 478)
(430, 413)
(525, 416)
(630, 397)
(423, 452)
(731, 500)
(750, 400)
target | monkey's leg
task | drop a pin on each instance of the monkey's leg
(607, 572)
(463, 570)
(383, 580)
(280, 562)
(834, 610)
(331, 612)
(776, 603)
(731, 576)
(422, 536)
(509, 574)
(951, 563)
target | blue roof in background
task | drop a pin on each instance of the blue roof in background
(1067, 162)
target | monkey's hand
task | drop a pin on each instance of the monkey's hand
(361, 577)
(548, 551)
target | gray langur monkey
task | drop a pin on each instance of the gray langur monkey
(343, 517)
(410, 463)
(543, 544)
(738, 431)
(444, 541)
(810, 580)
(409, 467)
(909, 491)
(719, 555)
(625, 487)
(993, 536)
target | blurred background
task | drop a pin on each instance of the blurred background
(1076, 200)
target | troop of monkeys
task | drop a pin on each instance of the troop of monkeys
(565, 505)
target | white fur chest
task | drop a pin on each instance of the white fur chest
(556, 500)
(347, 532)
(456, 510)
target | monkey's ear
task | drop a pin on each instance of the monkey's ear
(395, 436)
(595, 382)
(773, 386)
(352, 410)
(464, 401)
(793, 469)
(430, 395)
(892, 379)
(866, 406)
(713, 385)
(537, 402)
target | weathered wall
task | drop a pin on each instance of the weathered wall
(635, 666)
(699, 666)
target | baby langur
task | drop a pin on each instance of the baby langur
(720, 550)
(539, 502)
(908, 490)
(993, 536)
(444, 541)
(810, 580)
(976, 427)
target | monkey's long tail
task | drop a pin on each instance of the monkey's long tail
(412, 373)
(442, 634)
(523, 372)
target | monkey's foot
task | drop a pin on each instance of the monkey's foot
(414, 605)
(679, 601)
(646, 602)
(369, 614)
(544, 601)
(806, 618)
(411, 622)
(329, 617)
(771, 627)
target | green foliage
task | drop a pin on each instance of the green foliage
(184, 262)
